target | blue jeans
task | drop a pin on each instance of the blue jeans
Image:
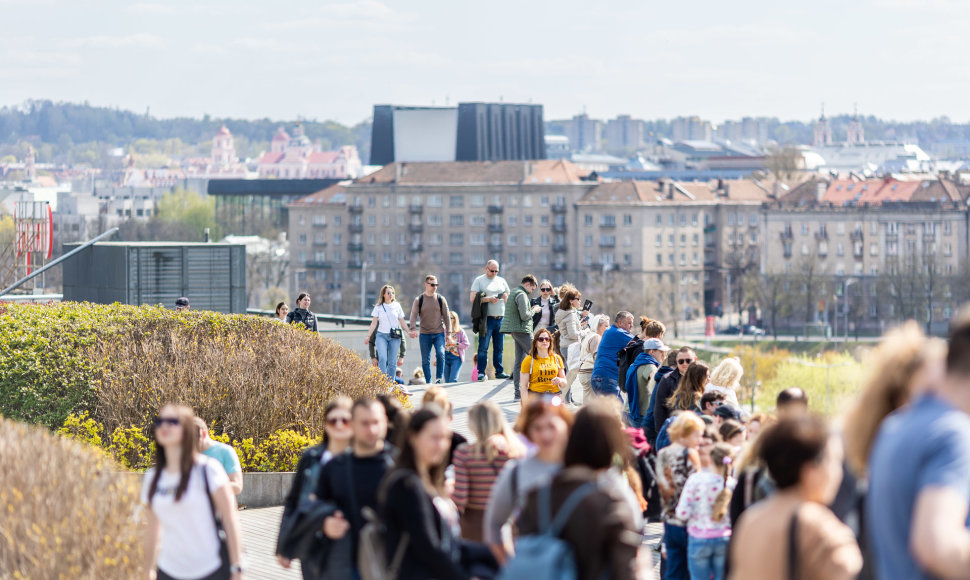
(605, 386)
(452, 367)
(675, 539)
(387, 349)
(705, 558)
(491, 333)
(438, 342)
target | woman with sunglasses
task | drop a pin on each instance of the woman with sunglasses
(548, 302)
(543, 371)
(336, 439)
(571, 332)
(185, 492)
(388, 321)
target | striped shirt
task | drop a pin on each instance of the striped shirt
(475, 475)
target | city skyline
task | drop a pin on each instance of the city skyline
(333, 60)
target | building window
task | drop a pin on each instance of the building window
(627, 220)
(544, 201)
(478, 201)
(372, 220)
(588, 241)
(670, 240)
(527, 220)
(527, 259)
(434, 239)
(337, 239)
(947, 228)
(456, 239)
(608, 220)
(434, 219)
(455, 258)
(371, 239)
(627, 259)
(683, 240)
(386, 257)
(660, 262)
(435, 201)
(336, 220)
(456, 220)
(477, 239)
(543, 259)
(543, 220)
(527, 240)
(477, 220)
(544, 240)
(660, 219)
(456, 201)
(513, 239)
(660, 240)
(587, 220)
(839, 251)
(513, 221)
(526, 201)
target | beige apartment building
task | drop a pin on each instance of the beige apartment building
(869, 252)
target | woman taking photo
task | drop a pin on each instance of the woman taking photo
(336, 440)
(546, 426)
(478, 465)
(415, 507)
(792, 531)
(689, 391)
(390, 326)
(302, 313)
(281, 311)
(185, 492)
(456, 343)
(601, 528)
(543, 371)
(570, 331)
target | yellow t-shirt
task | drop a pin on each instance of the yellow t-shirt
(541, 372)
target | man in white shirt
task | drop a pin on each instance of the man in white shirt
(494, 290)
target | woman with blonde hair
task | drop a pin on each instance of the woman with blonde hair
(478, 464)
(388, 321)
(675, 464)
(904, 364)
(456, 343)
(726, 379)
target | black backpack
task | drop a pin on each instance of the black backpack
(625, 358)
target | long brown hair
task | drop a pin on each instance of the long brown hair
(380, 297)
(340, 402)
(534, 351)
(691, 387)
(190, 442)
(407, 458)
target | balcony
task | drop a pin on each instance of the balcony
(357, 264)
(559, 266)
(856, 235)
(355, 208)
(317, 224)
(355, 247)
(607, 243)
(417, 248)
(711, 228)
(319, 243)
(495, 228)
(609, 225)
(416, 228)
(929, 238)
(559, 248)
(495, 247)
(356, 228)
(561, 228)
(787, 235)
(559, 208)
(822, 235)
(317, 265)
(496, 209)
(416, 208)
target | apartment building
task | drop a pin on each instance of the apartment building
(870, 251)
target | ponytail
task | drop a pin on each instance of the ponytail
(723, 456)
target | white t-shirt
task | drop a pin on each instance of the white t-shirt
(492, 288)
(388, 316)
(189, 544)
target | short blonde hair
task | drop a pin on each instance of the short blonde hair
(685, 425)
(727, 373)
(437, 395)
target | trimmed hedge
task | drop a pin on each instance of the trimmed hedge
(248, 377)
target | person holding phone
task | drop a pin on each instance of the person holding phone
(570, 330)
(388, 321)
(548, 302)
(493, 291)
(517, 322)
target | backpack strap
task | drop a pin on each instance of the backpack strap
(565, 510)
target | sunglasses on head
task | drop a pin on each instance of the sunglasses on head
(338, 421)
(684, 361)
(173, 421)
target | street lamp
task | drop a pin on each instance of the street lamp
(363, 288)
(845, 307)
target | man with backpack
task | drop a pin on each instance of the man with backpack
(518, 323)
(606, 374)
(432, 309)
(350, 481)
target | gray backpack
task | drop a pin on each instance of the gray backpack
(545, 556)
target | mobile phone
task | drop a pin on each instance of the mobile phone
(535, 301)
(588, 305)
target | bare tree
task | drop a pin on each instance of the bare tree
(784, 162)
(772, 293)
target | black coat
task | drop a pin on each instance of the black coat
(303, 316)
(665, 388)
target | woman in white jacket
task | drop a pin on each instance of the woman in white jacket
(571, 332)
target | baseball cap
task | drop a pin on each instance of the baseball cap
(655, 344)
(183, 301)
(727, 412)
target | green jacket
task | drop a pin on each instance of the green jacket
(518, 312)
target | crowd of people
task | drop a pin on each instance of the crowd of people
(656, 435)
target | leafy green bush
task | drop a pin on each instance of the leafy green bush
(67, 512)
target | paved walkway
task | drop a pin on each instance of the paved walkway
(260, 526)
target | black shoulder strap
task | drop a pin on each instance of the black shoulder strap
(793, 547)
(420, 303)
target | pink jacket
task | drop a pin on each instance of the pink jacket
(457, 341)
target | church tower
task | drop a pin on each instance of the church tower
(223, 149)
(856, 136)
(823, 131)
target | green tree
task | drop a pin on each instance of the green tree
(189, 209)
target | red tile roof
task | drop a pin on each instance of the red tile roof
(323, 156)
(270, 157)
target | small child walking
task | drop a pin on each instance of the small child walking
(704, 505)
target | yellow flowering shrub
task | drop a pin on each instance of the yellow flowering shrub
(66, 511)
(82, 428)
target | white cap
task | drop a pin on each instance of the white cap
(655, 344)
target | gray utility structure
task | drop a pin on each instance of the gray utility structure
(211, 276)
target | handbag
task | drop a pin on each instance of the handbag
(394, 332)
(223, 572)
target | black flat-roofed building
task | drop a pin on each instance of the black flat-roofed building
(252, 206)
(500, 132)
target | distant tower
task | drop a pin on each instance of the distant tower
(30, 170)
(223, 149)
(280, 141)
(856, 136)
(823, 132)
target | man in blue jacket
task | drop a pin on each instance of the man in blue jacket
(605, 379)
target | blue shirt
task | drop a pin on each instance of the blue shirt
(614, 339)
(924, 445)
(225, 455)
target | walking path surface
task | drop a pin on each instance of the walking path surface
(260, 526)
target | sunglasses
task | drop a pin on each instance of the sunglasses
(543, 339)
(338, 421)
(173, 421)
(493, 271)
(435, 284)
(546, 289)
(684, 361)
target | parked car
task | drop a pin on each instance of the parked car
(748, 329)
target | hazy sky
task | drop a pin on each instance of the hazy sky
(898, 59)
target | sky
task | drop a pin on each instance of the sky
(334, 59)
